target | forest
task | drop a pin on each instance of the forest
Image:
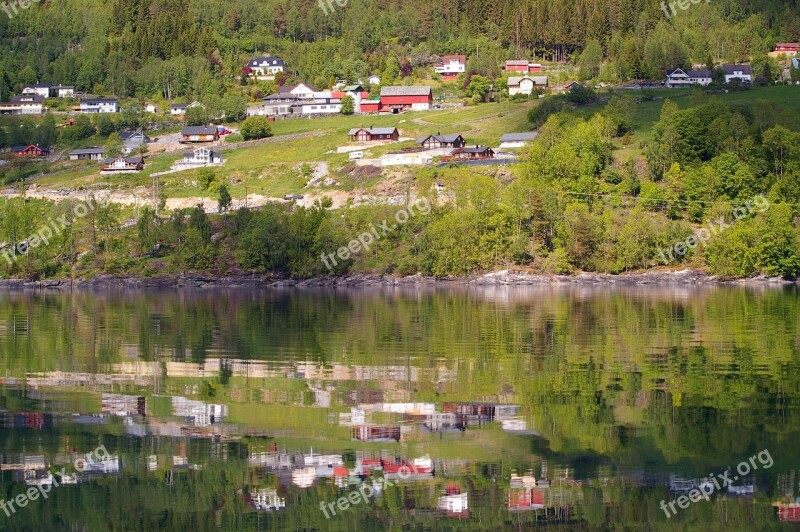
(197, 48)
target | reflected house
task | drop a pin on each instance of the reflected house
(360, 397)
(745, 490)
(788, 513)
(198, 412)
(304, 477)
(680, 484)
(474, 412)
(416, 469)
(271, 460)
(376, 433)
(417, 409)
(25, 420)
(266, 499)
(524, 499)
(454, 503)
(322, 464)
(355, 417)
(445, 422)
(123, 405)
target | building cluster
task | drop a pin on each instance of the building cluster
(732, 72)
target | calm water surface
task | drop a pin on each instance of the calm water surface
(432, 409)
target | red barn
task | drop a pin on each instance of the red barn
(396, 99)
(370, 106)
(522, 65)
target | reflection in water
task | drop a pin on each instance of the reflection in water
(497, 407)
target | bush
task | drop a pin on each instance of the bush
(256, 127)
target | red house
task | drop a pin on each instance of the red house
(396, 99)
(31, 150)
(787, 47)
(522, 65)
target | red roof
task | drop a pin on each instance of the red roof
(337, 94)
(340, 471)
(459, 58)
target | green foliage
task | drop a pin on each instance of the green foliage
(224, 196)
(478, 87)
(348, 106)
(114, 145)
(256, 127)
(196, 116)
(589, 60)
(206, 177)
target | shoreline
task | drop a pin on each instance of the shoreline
(680, 278)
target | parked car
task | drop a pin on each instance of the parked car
(356, 155)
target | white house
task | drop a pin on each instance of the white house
(179, 109)
(525, 84)
(374, 79)
(265, 67)
(451, 66)
(319, 107)
(94, 153)
(131, 140)
(680, 77)
(517, 140)
(197, 158)
(42, 89)
(279, 104)
(303, 91)
(737, 72)
(151, 108)
(24, 104)
(63, 91)
(100, 105)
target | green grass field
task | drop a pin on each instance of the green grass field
(275, 168)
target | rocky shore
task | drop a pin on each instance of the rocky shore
(360, 280)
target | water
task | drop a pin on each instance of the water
(434, 409)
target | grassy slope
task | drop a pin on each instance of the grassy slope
(273, 169)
